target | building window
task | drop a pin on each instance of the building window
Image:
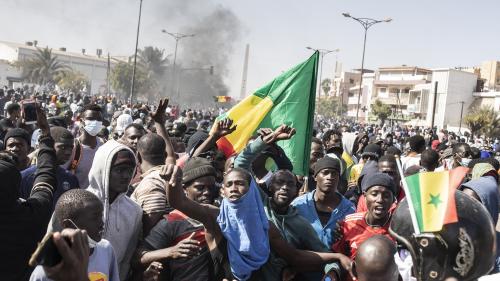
(351, 81)
(382, 90)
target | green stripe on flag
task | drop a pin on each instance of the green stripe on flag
(294, 95)
(414, 188)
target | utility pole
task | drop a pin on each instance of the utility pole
(177, 37)
(434, 104)
(135, 54)
(107, 76)
(366, 23)
(245, 74)
(461, 114)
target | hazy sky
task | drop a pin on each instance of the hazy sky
(438, 33)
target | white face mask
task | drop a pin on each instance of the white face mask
(465, 162)
(92, 127)
(92, 242)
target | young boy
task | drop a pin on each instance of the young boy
(81, 209)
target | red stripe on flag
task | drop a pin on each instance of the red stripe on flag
(225, 146)
(456, 177)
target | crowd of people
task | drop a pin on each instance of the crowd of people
(141, 192)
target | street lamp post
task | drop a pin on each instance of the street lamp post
(322, 53)
(135, 53)
(177, 37)
(366, 23)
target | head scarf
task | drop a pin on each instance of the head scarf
(245, 226)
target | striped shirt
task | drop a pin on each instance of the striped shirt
(150, 193)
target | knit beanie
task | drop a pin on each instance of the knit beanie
(372, 150)
(195, 168)
(378, 179)
(18, 133)
(326, 163)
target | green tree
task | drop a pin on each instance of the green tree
(121, 80)
(73, 81)
(326, 85)
(329, 106)
(381, 110)
(483, 120)
(153, 61)
(44, 68)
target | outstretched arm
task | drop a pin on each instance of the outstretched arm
(222, 128)
(267, 138)
(160, 118)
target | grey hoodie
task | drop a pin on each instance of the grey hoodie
(123, 217)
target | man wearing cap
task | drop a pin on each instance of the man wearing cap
(178, 240)
(17, 141)
(387, 164)
(379, 190)
(324, 206)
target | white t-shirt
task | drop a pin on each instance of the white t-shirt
(409, 161)
(102, 265)
(86, 159)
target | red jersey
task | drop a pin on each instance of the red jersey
(362, 202)
(355, 231)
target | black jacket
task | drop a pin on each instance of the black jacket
(23, 224)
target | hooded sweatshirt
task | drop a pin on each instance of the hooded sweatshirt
(122, 217)
(348, 141)
(486, 188)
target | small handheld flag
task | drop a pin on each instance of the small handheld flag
(431, 198)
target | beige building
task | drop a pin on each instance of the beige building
(490, 72)
(392, 86)
(94, 67)
(343, 83)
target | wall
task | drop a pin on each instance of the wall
(94, 68)
(454, 86)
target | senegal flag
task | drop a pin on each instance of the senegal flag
(432, 196)
(288, 99)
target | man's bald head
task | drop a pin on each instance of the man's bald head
(375, 260)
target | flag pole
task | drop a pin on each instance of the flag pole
(408, 197)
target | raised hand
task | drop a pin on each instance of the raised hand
(283, 132)
(171, 174)
(224, 127)
(159, 116)
(41, 120)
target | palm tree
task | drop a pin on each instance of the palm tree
(326, 86)
(153, 61)
(44, 68)
(483, 120)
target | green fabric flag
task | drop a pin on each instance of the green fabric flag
(288, 99)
